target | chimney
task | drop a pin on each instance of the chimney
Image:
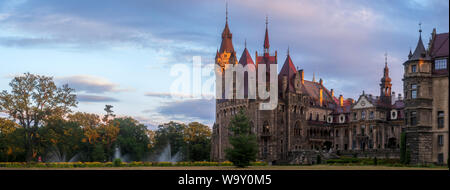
(393, 97)
(321, 82)
(302, 76)
(321, 97)
(332, 93)
(341, 100)
(399, 96)
(351, 100)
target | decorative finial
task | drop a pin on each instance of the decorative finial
(385, 58)
(420, 28)
(314, 77)
(226, 11)
(288, 50)
(267, 20)
(245, 43)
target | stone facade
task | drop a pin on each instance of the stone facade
(309, 119)
(426, 100)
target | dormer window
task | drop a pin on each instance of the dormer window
(414, 68)
(440, 64)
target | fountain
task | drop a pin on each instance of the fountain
(166, 155)
(117, 153)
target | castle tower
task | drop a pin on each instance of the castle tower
(226, 53)
(385, 85)
(417, 83)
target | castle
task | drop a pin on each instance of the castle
(311, 120)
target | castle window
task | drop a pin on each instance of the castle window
(371, 115)
(440, 120)
(363, 115)
(413, 118)
(413, 68)
(414, 91)
(440, 158)
(354, 116)
(440, 64)
(441, 140)
(406, 118)
(363, 129)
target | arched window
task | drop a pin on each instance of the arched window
(252, 127)
(266, 127)
(297, 129)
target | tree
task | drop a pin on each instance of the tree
(170, 133)
(403, 148)
(109, 113)
(60, 139)
(11, 143)
(132, 139)
(244, 146)
(34, 98)
(198, 140)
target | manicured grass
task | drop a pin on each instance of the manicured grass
(313, 167)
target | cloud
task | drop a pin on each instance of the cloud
(176, 95)
(197, 109)
(95, 98)
(90, 84)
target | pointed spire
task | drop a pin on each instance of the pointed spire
(420, 28)
(227, 44)
(266, 37)
(410, 53)
(386, 70)
(420, 51)
(385, 59)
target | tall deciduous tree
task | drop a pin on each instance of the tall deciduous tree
(244, 146)
(133, 138)
(33, 99)
(198, 139)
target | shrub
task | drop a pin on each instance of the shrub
(318, 159)
(117, 162)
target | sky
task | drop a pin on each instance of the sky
(123, 53)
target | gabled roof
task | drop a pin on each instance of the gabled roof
(440, 46)
(399, 104)
(245, 58)
(288, 70)
(313, 90)
(266, 59)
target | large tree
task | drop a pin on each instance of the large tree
(33, 99)
(170, 133)
(244, 146)
(60, 139)
(198, 139)
(133, 139)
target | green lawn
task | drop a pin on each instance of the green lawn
(313, 167)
